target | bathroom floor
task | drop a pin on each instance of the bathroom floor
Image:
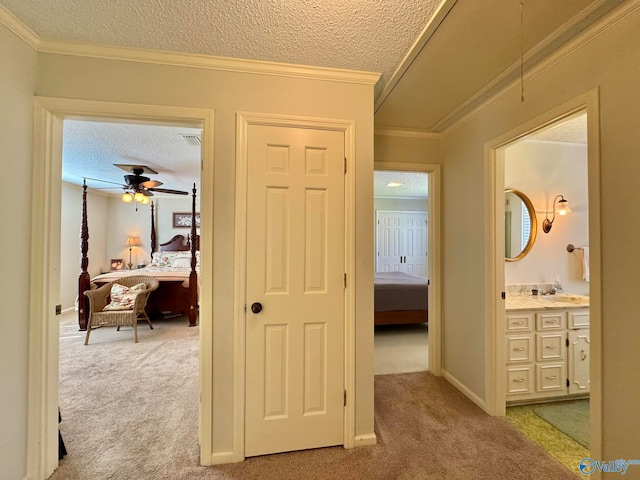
(560, 446)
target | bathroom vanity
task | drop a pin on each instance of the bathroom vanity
(547, 347)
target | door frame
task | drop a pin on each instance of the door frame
(434, 264)
(347, 127)
(42, 409)
(494, 257)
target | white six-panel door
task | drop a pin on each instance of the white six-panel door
(295, 272)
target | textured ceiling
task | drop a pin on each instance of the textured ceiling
(368, 35)
(414, 185)
(573, 130)
(91, 148)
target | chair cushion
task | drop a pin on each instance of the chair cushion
(123, 298)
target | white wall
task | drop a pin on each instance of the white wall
(401, 204)
(542, 170)
(228, 93)
(610, 61)
(17, 86)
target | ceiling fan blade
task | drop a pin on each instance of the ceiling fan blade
(168, 190)
(151, 184)
(103, 181)
(135, 169)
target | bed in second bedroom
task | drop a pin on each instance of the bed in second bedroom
(400, 298)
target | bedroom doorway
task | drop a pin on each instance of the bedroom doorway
(407, 335)
(97, 151)
(45, 284)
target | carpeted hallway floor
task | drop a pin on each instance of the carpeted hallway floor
(130, 411)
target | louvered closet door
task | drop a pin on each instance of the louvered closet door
(295, 271)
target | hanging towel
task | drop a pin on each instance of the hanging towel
(585, 263)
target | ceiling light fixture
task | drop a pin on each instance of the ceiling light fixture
(561, 207)
(394, 184)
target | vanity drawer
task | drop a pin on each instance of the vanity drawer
(578, 319)
(519, 348)
(551, 377)
(551, 321)
(520, 322)
(551, 346)
(520, 379)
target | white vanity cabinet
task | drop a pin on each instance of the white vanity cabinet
(547, 353)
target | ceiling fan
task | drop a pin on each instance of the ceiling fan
(137, 187)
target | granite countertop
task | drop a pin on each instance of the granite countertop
(526, 301)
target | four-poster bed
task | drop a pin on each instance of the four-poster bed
(174, 263)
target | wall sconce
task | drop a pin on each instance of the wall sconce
(561, 207)
(132, 242)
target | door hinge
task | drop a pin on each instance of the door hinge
(567, 382)
(58, 309)
(345, 164)
(245, 308)
(567, 340)
(345, 398)
(345, 280)
(503, 295)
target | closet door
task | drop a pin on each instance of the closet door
(389, 241)
(401, 242)
(415, 243)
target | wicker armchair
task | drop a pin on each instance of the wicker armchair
(98, 317)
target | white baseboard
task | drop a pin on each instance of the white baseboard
(220, 458)
(365, 440)
(464, 389)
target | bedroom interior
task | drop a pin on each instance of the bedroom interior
(401, 337)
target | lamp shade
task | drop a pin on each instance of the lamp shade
(133, 241)
(563, 207)
(127, 197)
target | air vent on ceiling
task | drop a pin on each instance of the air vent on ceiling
(193, 140)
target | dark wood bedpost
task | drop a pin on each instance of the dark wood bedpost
(84, 280)
(193, 276)
(154, 242)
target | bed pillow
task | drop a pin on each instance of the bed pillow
(123, 298)
(181, 262)
(162, 259)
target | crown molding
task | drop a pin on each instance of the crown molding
(12, 22)
(405, 132)
(507, 82)
(210, 62)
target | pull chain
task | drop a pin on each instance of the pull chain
(521, 51)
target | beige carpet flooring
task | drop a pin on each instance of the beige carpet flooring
(401, 349)
(129, 411)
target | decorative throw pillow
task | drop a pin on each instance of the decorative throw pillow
(162, 259)
(123, 298)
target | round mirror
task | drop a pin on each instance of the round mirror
(519, 225)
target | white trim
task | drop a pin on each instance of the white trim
(243, 120)
(42, 439)
(222, 458)
(434, 262)
(492, 93)
(464, 389)
(494, 312)
(12, 22)
(366, 440)
(432, 25)
(405, 132)
(210, 62)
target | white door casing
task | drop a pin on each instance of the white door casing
(295, 268)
